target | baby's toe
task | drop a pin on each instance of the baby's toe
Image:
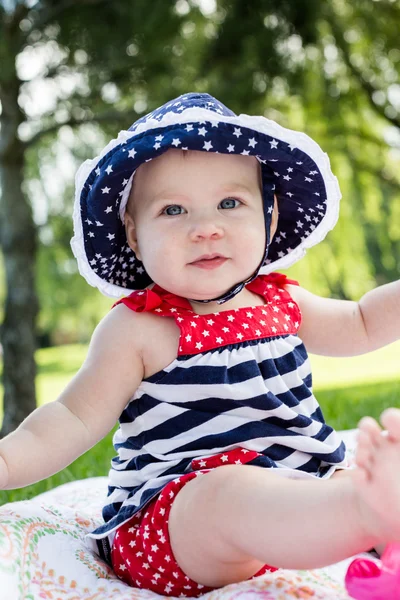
(390, 419)
(371, 430)
(364, 451)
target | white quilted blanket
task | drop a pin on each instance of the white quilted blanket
(43, 555)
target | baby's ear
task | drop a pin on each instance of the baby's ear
(131, 234)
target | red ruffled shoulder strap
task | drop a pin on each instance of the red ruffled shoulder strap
(156, 298)
(266, 285)
(279, 279)
(141, 301)
(272, 288)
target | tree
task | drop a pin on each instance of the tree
(98, 54)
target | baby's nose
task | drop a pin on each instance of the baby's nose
(206, 228)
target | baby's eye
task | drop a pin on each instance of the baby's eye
(172, 210)
(229, 203)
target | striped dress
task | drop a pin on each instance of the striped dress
(241, 379)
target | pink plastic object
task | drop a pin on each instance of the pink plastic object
(368, 579)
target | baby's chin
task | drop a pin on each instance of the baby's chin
(212, 306)
(194, 293)
(188, 287)
(201, 296)
(206, 287)
(210, 294)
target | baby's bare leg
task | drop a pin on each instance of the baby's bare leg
(226, 524)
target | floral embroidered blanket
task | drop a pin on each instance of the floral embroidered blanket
(43, 555)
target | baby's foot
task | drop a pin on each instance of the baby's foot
(377, 476)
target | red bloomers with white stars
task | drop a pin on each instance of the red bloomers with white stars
(141, 554)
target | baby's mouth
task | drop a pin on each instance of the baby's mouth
(209, 261)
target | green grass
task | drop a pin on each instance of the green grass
(379, 366)
(347, 389)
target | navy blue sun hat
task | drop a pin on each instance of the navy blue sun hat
(293, 167)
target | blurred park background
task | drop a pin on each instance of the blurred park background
(75, 72)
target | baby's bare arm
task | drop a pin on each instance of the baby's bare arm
(344, 328)
(55, 434)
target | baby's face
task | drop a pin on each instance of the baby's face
(187, 205)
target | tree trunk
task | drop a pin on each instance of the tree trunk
(18, 243)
